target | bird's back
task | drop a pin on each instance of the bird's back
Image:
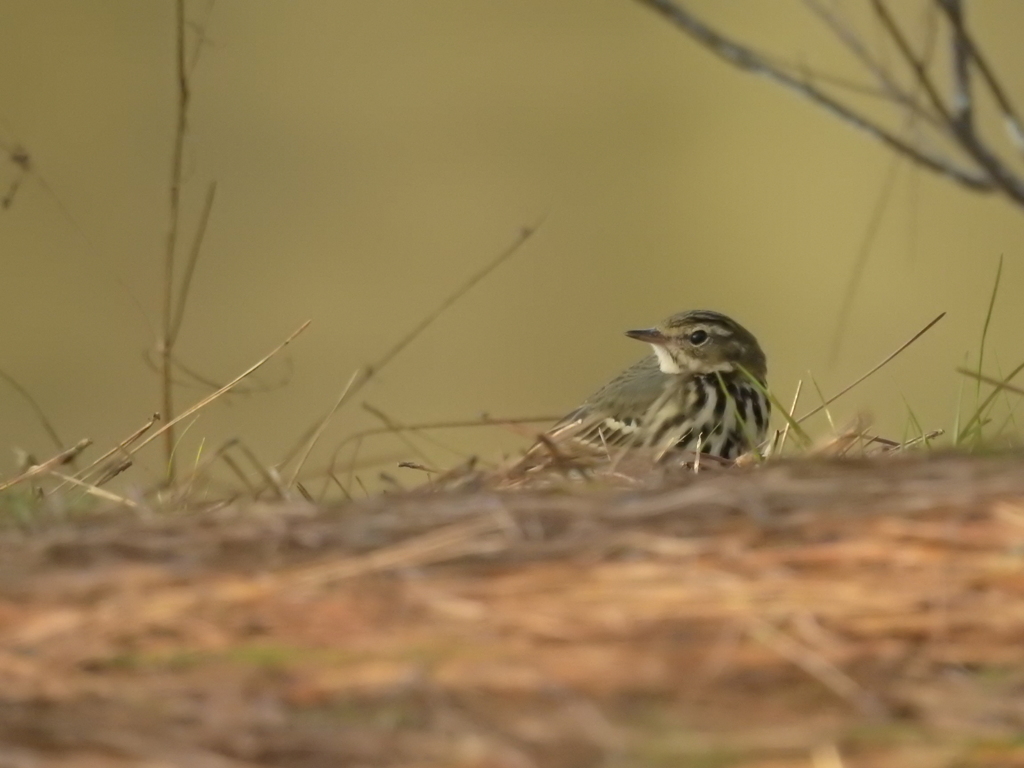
(722, 414)
(613, 415)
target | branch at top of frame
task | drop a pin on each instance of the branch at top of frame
(747, 58)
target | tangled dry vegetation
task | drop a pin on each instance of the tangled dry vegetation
(814, 613)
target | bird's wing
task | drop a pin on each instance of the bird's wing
(630, 394)
(616, 409)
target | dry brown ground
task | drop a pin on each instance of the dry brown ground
(811, 614)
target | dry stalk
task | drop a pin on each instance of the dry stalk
(342, 396)
(873, 371)
(363, 376)
(792, 412)
(36, 408)
(119, 448)
(96, 491)
(166, 349)
(175, 297)
(999, 385)
(214, 395)
(47, 466)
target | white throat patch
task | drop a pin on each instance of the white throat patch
(668, 365)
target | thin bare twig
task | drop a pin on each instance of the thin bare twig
(747, 58)
(875, 219)
(375, 367)
(36, 408)
(792, 412)
(190, 265)
(524, 234)
(957, 124)
(483, 421)
(270, 478)
(342, 396)
(199, 30)
(237, 470)
(116, 449)
(963, 107)
(1000, 175)
(977, 418)
(213, 396)
(177, 163)
(54, 461)
(393, 427)
(397, 428)
(916, 64)
(841, 29)
(1012, 120)
(96, 491)
(999, 385)
(860, 261)
(190, 377)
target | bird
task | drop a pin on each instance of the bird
(703, 390)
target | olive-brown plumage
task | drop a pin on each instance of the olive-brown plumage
(701, 390)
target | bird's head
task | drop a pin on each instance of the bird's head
(703, 342)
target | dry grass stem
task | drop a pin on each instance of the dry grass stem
(792, 413)
(226, 388)
(999, 385)
(47, 466)
(119, 448)
(47, 425)
(166, 346)
(94, 490)
(315, 437)
(874, 370)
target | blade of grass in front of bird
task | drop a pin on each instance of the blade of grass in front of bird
(744, 427)
(790, 421)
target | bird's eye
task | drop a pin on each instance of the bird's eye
(698, 337)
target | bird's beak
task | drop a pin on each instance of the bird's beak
(650, 335)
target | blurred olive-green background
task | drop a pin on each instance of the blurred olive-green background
(371, 155)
